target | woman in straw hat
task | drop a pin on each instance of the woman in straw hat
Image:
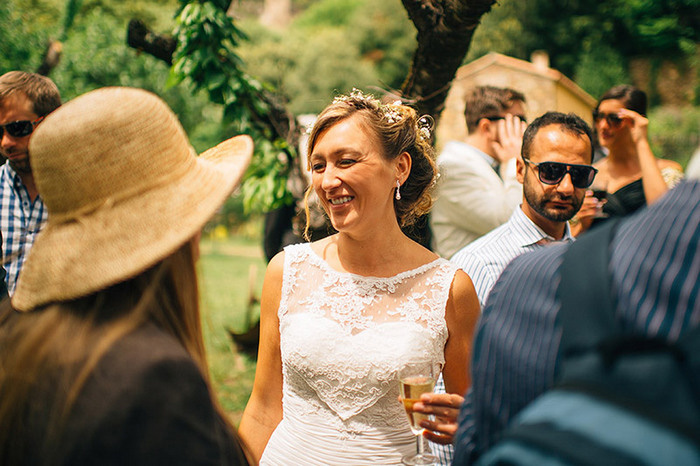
(343, 316)
(102, 359)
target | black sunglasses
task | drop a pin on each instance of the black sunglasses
(496, 118)
(553, 172)
(19, 129)
(612, 118)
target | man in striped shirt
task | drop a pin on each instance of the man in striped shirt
(555, 170)
(655, 283)
(25, 99)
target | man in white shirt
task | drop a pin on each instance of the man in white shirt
(478, 189)
(555, 170)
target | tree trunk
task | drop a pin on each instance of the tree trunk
(445, 30)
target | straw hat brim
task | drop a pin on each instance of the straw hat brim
(118, 241)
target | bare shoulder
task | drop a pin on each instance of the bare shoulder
(276, 264)
(463, 300)
(462, 284)
(272, 286)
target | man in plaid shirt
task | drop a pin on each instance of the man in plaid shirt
(25, 99)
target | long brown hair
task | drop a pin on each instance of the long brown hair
(47, 355)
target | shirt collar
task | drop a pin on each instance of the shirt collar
(529, 234)
(490, 160)
(10, 171)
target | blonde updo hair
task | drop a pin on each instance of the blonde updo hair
(399, 129)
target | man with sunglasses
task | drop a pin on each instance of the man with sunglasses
(478, 189)
(555, 170)
(25, 99)
(654, 285)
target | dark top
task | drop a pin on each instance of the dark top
(655, 281)
(625, 200)
(146, 403)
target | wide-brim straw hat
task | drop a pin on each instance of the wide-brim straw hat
(123, 189)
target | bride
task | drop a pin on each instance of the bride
(341, 316)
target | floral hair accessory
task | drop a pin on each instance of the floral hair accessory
(355, 94)
(392, 112)
(426, 123)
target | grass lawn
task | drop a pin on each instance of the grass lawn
(226, 266)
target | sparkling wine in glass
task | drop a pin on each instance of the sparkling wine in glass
(416, 378)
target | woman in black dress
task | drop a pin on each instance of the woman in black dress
(630, 176)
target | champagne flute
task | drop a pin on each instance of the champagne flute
(416, 378)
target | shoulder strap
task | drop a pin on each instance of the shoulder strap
(587, 305)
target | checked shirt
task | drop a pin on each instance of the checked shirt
(20, 221)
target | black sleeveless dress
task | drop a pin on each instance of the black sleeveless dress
(626, 200)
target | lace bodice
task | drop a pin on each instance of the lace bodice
(344, 337)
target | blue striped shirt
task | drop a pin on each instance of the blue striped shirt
(484, 259)
(20, 222)
(655, 269)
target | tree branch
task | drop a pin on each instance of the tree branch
(140, 37)
(445, 30)
(280, 121)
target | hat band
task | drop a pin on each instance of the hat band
(77, 215)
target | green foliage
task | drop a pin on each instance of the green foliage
(225, 268)
(662, 27)
(675, 132)
(597, 79)
(72, 8)
(95, 55)
(502, 31)
(386, 37)
(329, 13)
(330, 48)
(21, 41)
(158, 14)
(308, 68)
(592, 42)
(651, 28)
(206, 57)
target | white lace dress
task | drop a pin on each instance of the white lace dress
(343, 339)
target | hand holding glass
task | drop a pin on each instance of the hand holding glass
(415, 379)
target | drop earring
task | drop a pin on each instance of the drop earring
(398, 192)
